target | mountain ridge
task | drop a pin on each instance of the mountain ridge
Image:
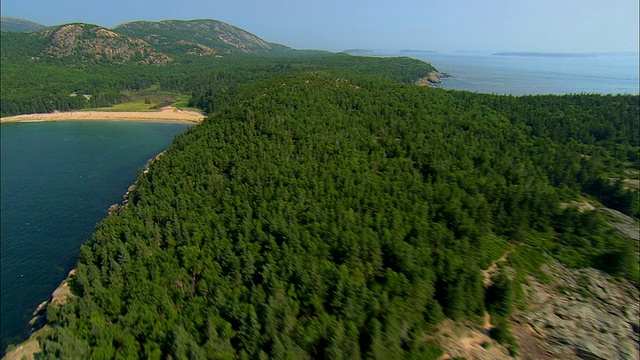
(95, 43)
(204, 36)
(139, 42)
(8, 23)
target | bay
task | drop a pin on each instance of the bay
(601, 73)
(58, 180)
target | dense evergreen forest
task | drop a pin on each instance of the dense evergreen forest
(330, 211)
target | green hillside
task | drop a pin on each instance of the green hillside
(20, 47)
(327, 208)
(142, 42)
(322, 214)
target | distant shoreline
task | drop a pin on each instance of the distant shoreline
(166, 114)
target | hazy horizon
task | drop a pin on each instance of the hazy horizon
(551, 26)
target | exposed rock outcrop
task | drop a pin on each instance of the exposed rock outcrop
(625, 225)
(84, 42)
(202, 37)
(581, 314)
(434, 78)
(459, 341)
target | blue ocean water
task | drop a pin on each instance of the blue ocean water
(605, 73)
(58, 180)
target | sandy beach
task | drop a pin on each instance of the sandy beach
(166, 114)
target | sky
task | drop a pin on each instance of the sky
(336, 25)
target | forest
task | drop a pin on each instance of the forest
(325, 209)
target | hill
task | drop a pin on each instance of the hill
(322, 214)
(92, 43)
(141, 42)
(198, 37)
(8, 23)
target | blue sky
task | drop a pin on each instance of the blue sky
(442, 25)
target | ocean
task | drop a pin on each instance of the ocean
(601, 73)
(58, 180)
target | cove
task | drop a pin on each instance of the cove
(57, 181)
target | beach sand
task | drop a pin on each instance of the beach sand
(166, 114)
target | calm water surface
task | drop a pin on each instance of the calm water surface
(58, 179)
(612, 73)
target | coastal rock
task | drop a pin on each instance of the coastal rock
(116, 209)
(434, 78)
(40, 307)
(63, 292)
(30, 348)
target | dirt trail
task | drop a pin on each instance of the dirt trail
(583, 205)
(468, 342)
(491, 269)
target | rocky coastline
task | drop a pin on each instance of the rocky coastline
(117, 208)
(433, 79)
(30, 348)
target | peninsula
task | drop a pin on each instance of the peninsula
(334, 209)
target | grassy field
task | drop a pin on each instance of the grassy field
(137, 105)
(182, 102)
(150, 100)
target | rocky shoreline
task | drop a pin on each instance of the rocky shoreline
(30, 348)
(433, 79)
(117, 208)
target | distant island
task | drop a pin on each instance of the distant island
(358, 51)
(545, 54)
(417, 51)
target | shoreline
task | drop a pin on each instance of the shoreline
(166, 114)
(30, 347)
(433, 79)
(38, 326)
